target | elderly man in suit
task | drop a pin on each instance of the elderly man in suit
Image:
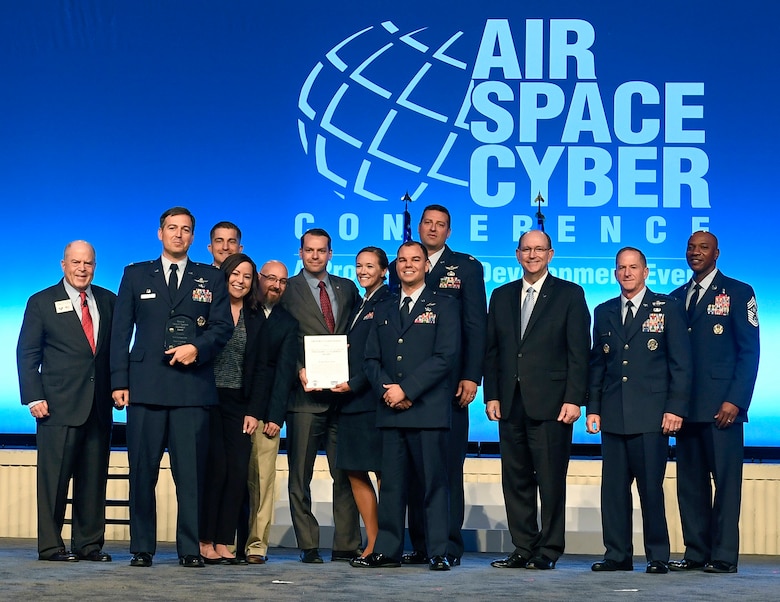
(411, 359)
(277, 358)
(180, 314)
(723, 326)
(460, 276)
(64, 378)
(536, 369)
(640, 382)
(322, 304)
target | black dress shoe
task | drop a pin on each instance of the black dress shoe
(513, 561)
(311, 556)
(657, 567)
(96, 556)
(453, 560)
(337, 556)
(375, 561)
(541, 563)
(60, 556)
(141, 559)
(611, 565)
(720, 566)
(415, 557)
(439, 563)
(191, 561)
(685, 565)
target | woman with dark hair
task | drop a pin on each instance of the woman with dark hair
(232, 422)
(359, 448)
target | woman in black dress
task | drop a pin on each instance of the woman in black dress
(359, 448)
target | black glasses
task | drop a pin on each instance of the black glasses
(274, 279)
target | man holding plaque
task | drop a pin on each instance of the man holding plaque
(411, 356)
(181, 316)
(322, 304)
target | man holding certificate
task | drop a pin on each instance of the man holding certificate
(322, 304)
(411, 355)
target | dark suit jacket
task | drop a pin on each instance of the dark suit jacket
(461, 276)
(270, 364)
(144, 303)
(299, 302)
(421, 358)
(362, 397)
(551, 361)
(636, 377)
(725, 348)
(55, 361)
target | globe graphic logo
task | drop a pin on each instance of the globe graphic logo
(385, 111)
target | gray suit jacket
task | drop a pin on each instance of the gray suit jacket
(299, 301)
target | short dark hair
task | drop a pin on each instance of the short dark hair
(380, 254)
(227, 226)
(520, 240)
(252, 298)
(641, 255)
(177, 211)
(714, 238)
(414, 243)
(316, 232)
(440, 208)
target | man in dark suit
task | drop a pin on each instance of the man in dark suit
(536, 369)
(277, 359)
(181, 316)
(64, 379)
(460, 276)
(723, 327)
(322, 304)
(411, 359)
(640, 382)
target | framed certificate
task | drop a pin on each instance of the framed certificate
(326, 360)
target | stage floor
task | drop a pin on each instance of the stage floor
(285, 578)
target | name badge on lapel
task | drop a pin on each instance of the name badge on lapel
(62, 306)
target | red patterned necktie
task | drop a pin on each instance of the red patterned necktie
(86, 321)
(327, 308)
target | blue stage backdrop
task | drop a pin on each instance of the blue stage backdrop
(637, 124)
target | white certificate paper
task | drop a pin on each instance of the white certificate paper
(326, 359)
